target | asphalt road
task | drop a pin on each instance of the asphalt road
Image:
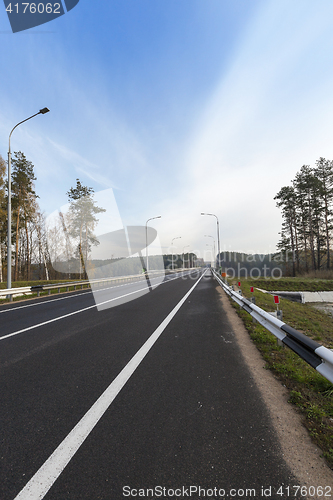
(179, 408)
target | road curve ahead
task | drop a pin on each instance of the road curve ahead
(149, 399)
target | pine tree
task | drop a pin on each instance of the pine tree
(83, 220)
(287, 202)
(304, 182)
(324, 172)
(23, 197)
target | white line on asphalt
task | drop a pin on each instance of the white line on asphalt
(68, 314)
(63, 298)
(49, 472)
(32, 327)
(10, 309)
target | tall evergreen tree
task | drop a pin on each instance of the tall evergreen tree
(286, 200)
(83, 220)
(324, 173)
(304, 182)
(23, 196)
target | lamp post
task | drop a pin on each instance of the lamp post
(151, 218)
(211, 246)
(9, 206)
(218, 235)
(176, 238)
(184, 254)
(208, 236)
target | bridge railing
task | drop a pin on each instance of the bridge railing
(318, 356)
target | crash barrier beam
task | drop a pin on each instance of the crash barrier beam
(316, 355)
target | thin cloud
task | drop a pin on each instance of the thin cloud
(261, 123)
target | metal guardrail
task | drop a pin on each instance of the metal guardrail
(316, 355)
(41, 288)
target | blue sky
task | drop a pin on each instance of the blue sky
(180, 106)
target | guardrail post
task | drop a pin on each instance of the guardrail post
(279, 314)
(49, 291)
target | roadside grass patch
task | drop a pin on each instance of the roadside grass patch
(309, 391)
(293, 284)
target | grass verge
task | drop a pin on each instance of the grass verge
(309, 391)
(294, 284)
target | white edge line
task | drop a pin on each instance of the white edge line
(66, 315)
(48, 473)
(50, 301)
(11, 309)
(43, 302)
(77, 312)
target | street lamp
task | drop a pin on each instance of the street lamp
(158, 217)
(208, 236)
(176, 238)
(184, 254)
(213, 253)
(9, 206)
(218, 235)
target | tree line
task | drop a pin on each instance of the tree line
(250, 265)
(26, 217)
(306, 205)
(60, 248)
(36, 246)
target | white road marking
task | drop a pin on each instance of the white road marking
(32, 327)
(10, 309)
(42, 302)
(49, 472)
(67, 315)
